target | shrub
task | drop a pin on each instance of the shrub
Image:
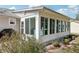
(73, 49)
(34, 45)
(16, 44)
(75, 46)
(56, 43)
(7, 32)
(66, 41)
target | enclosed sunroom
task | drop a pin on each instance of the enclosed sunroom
(43, 23)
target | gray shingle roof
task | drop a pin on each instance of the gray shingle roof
(7, 12)
(40, 7)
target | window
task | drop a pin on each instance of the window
(65, 26)
(30, 25)
(27, 26)
(62, 26)
(68, 26)
(44, 25)
(52, 26)
(57, 29)
(22, 27)
(12, 21)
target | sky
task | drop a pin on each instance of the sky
(69, 10)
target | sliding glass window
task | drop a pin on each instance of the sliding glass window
(59, 26)
(30, 25)
(57, 29)
(68, 26)
(65, 26)
(52, 26)
(44, 25)
(27, 26)
(62, 27)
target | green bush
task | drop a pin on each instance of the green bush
(66, 41)
(34, 46)
(7, 32)
(73, 49)
(56, 43)
(17, 44)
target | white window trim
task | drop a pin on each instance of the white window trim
(43, 29)
(29, 23)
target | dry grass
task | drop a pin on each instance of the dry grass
(16, 44)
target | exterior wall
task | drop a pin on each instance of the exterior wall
(74, 27)
(37, 19)
(4, 23)
(55, 16)
(53, 36)
(26, 14)
(47, 14)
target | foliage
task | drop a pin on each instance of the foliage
(8, 32)
(66, 41)
(73, 49)
(56, 43)
(17, 44)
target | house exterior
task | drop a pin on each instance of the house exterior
(40, 22)
(43, 23)
(9, 20)
(74, 27)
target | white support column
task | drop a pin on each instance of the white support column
(23, 19)
(48, 26)
(64, 25)
(20, 26)
(55, 25)
(37, 26)
(29, 26)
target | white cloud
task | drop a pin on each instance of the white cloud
(72, 6)
(69, 11)
(12, 8)
(33, 5)
(63, 11)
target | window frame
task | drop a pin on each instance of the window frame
(13, 20)
(29, 33)
(52, 23)
(43, 25)
(22, 27)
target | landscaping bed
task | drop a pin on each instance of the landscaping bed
(66, 46)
